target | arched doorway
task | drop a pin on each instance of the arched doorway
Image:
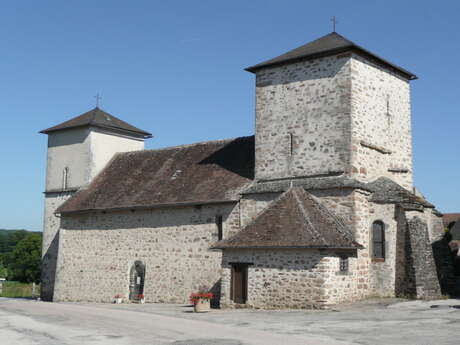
(136, 280)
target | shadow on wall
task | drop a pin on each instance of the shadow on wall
(243, 150)
(418, 274)
(48, 275)
(445, 265)
(215, 290)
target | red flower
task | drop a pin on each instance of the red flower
(195, 297)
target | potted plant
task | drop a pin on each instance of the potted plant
(141, 298)
(118, 298)
(201, 300)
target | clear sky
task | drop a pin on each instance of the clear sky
(175, 68)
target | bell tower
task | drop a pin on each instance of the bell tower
(332, 108)
(78, 150)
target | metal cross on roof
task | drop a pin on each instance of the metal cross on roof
(334, 23)
(98, 98)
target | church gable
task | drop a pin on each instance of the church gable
(207, 172)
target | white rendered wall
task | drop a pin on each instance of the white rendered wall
(71, 149)
(104, 145)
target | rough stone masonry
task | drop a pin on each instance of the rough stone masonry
(317, 208)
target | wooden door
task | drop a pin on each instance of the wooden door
(239, 283)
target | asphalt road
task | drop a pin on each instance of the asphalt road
(27, 322)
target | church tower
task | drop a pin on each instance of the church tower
(332, 108)
(78, 150)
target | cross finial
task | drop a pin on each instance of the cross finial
(334, 23)
(98, 98)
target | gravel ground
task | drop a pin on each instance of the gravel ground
(379, 321)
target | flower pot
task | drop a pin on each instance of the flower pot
(142, 301)
(202, 305)
(118, 300)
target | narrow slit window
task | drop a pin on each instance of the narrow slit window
(378, 240)
(219, 224)
(291, 144)
(388, 111)
(65, 178)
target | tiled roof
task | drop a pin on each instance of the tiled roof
(387, 191)
(98, 118)
(215, 171)
(330, 44)
(295, 220)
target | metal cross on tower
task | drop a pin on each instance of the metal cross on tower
(334, 23)
(98, 98)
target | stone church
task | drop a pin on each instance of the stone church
(317, 208)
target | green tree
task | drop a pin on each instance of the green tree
(24, 262)
(3, 270)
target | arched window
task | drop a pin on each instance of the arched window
(378, 240)
(65, 178)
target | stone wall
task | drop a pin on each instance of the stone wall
(252, 204)
(291, 278)
(303, 118)
(382, 272)
(50, 242)
(96, 252)
(380, 123)
(422, 280)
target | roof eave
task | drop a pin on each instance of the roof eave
(354, 48)
(143, 134)
(222, 247)
(145, 207)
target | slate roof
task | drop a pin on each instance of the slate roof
(307, 183)
(295, 220)
(98, 118)
(387, 191)
(330, 44)
(214, 171)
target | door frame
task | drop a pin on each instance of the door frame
(243, 267)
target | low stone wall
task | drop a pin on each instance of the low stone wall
(290, 278)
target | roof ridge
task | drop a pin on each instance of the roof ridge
(305, 213)
(187, 145)
(327, 45)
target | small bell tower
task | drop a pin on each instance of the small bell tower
(78, 150)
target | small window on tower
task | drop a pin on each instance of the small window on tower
(344, 263)
(65, 178)
(388, 111)
(378, 240)
(220, 234)
(291, 144)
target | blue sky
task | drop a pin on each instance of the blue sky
(175, 68)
